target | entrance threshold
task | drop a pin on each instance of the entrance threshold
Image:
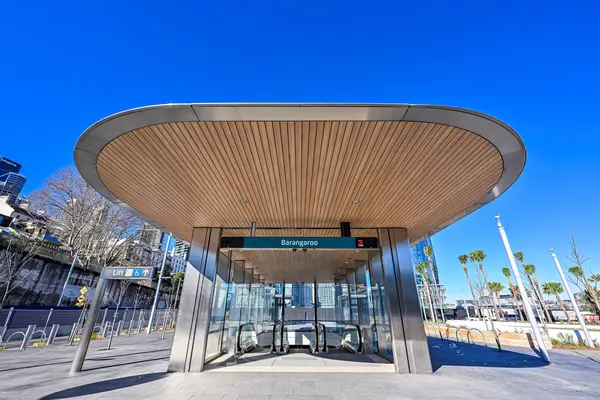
(301, 362)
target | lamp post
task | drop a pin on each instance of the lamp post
(588, 338)
(158, 285)
(524, 296)
(62, 294)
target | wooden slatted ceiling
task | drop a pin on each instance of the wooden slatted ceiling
(276, 266)
(300, 174)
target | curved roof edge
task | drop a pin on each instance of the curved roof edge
(508, 143)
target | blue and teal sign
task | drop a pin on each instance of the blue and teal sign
(260, 242)
(129, 273)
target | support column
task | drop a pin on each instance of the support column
(409, 342)
(189, 344)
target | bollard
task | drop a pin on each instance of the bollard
(164, 326)
(27, 337)
(48, 319)
(104, 316)
(155, 324)
(73, 333)
(112, 334)
(52, 336)
(6, 323)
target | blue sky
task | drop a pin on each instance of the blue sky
(67, 64)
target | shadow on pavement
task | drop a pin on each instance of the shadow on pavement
(104, 386)
(449, 352)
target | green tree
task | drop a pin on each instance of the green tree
(437, 293)
(556, 289)
(506, 272)
(422, 270)
(463, 258)
(530, 271)
(496, 288)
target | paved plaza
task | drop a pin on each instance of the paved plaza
(135, 369)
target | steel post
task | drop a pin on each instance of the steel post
(159, 284)
(6, 323)
(52, 336)
(68, 278)
(27, 337)
(523, 292)
(588, 338)
(88, 327)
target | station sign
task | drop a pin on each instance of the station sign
(129, 273)
(293, 242)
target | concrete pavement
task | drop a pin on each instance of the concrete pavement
(134, 369)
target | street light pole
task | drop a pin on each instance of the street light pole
(523, 291)
(588, 338)
(62, 294)
(158, 285)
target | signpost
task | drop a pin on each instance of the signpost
(295, 243)
(81, 299)
(105, 275)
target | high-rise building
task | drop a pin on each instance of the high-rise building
(326, 295)
(151, 236)
(11, 181)
(302, 295)
(181, 249)
(418, 255)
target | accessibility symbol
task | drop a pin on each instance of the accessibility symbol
(137, 272)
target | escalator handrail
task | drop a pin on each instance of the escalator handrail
(239, 335)
(357, 327)
(275, 333)
(324, 333)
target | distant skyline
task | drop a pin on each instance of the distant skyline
(535, 68)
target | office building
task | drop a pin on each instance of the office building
(418, 255)
(11, 181)
(181, 249)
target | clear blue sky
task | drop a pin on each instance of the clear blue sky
(67, 64)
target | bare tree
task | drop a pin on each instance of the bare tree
(578, 276)
(15, 253)
(84, 220)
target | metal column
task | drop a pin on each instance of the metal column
(189, 344)
(409, 342)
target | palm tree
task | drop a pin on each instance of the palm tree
(530, 271)
(506, 272)
(519, 256)
(428, 252)
(496, 288)
(556, 289)
(463, 260)
(422, 270)
(477, 257)
(593, 294)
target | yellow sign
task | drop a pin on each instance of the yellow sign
(83, 290)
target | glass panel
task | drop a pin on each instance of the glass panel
(382, 324)
(353, 300)
(218, 311)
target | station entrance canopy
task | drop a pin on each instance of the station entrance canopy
(208, 172)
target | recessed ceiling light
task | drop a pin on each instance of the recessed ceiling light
(244, 201)
(346, 262)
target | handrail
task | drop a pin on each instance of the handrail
(458, 332)
(324, 330)
(275, 325)
(358, 348)
(239, 336)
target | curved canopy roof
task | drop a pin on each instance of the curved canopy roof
(181, 166)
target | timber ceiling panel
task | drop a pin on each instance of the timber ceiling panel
(276, 266)
(304, 174)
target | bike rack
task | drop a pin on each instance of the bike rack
(42, 338)
(6, 341)
(458, 331)
(481, 333)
